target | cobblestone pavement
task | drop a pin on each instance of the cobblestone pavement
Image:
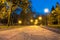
(29, 33)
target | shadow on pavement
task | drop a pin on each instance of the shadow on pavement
(52, 29)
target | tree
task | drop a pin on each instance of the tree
(58, 12)
(54, 16)
(25, 5)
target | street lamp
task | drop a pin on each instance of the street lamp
(31, 20)
(40, 18)
(19, 21)
(46, 10)
(36, 22)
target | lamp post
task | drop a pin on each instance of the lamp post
(36, 22)
(46, 10)
(31, 20)
(40, 18)
(19, 22)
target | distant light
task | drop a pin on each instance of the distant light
(31, 20)
(19, 21)
(36, 22)
(46, 10)
(40, 18)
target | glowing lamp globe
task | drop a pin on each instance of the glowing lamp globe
(46, 10)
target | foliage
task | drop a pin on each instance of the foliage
(55, 15)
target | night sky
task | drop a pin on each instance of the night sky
(38, 6)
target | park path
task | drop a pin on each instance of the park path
(29, 33)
